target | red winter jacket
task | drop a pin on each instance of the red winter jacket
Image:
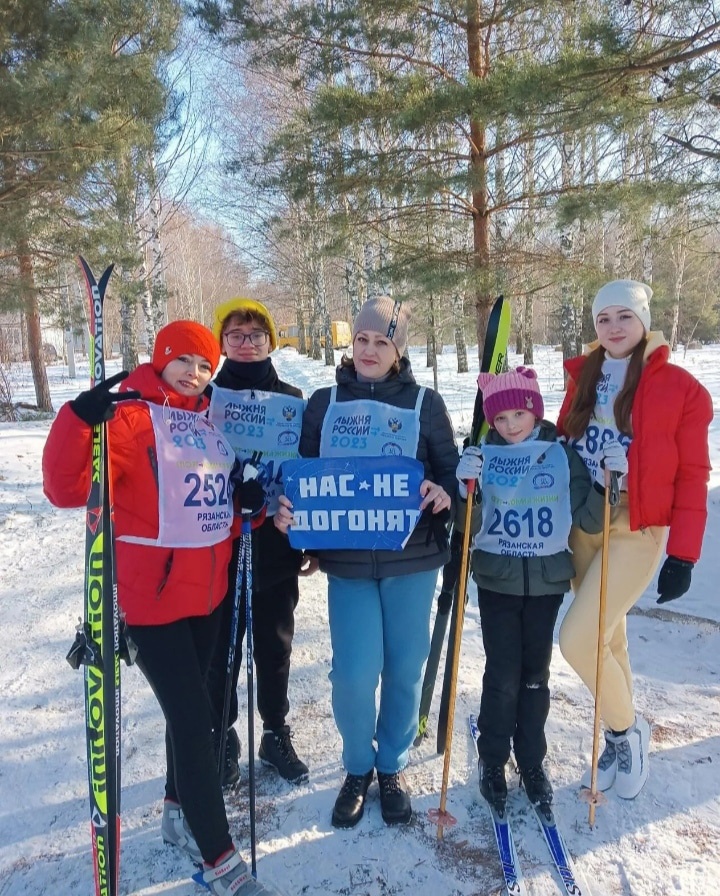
(668, 459)
(156, 585)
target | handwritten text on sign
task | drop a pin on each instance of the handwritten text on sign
(353, 503)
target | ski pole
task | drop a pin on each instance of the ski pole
(611, 498)
(247, 551)
(441, 816)
(234, 624)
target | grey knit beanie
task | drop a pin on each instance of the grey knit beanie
(384, 315)
(630, 294)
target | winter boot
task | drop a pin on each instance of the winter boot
(175, 831)
(231, 767)
(276, 749)
(537, 787)
(607, 766)
(350, 803)
(493, 785)
(632, 759)
(394, 798)
(230, 876)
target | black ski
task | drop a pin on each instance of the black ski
(445, 601)
(97, 643)
(493, 360)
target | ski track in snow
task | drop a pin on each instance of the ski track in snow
(666, 842)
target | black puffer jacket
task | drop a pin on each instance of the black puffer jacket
(273, 558)
(436, 449)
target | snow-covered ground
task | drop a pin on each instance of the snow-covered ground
(665, 842)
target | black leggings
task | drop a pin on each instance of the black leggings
(518, 636)
(175, 658)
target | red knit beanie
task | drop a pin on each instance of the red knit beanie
(511, 391)
(184, 337)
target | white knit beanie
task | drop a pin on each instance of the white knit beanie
(384, 315)
(630, 294)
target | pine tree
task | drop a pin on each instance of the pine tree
(78, 90)
(486, 80)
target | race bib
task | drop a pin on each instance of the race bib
(193, 474)
(602, 427)
(526, 508)
(370, 427)
(263, 428)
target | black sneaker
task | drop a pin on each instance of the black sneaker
(493, 785)
(350, 802)
(277, 749)
(394, 799)
(537, 787)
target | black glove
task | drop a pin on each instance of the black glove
(248, 494)
(98, 404)
(674, 579)
(438, 527)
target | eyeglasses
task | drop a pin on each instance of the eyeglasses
(236, 338)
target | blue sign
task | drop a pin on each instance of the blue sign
(353, 503)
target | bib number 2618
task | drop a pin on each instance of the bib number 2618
(513, 524)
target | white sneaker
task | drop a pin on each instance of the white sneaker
(231, 877)
(607, 766)
(632, 759)
(175, 831)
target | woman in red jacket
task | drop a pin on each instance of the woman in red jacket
(625, 390)
(173, 508)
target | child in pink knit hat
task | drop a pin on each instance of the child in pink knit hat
(531, 490)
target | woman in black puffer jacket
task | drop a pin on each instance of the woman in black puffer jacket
(380, 601)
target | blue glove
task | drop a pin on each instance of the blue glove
(674, 579)
(613, 457)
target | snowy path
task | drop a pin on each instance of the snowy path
(666, 842)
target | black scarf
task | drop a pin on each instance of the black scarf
(237, 375)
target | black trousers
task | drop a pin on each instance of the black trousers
(175, 658)
(518, 636)
(273, 611)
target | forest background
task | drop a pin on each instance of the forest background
(312, 154)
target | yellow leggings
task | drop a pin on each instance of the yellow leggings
(632, 560)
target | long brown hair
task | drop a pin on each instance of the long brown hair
(585, 398)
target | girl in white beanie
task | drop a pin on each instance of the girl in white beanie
(626, 390)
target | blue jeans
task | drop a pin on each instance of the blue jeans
(380, 632)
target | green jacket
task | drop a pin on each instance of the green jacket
(540, 575)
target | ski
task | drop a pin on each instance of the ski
(493, 360)
(442, 616)
(514, 883)
(97, 644)
(512, 874)
(560, 855)
(553, 839)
